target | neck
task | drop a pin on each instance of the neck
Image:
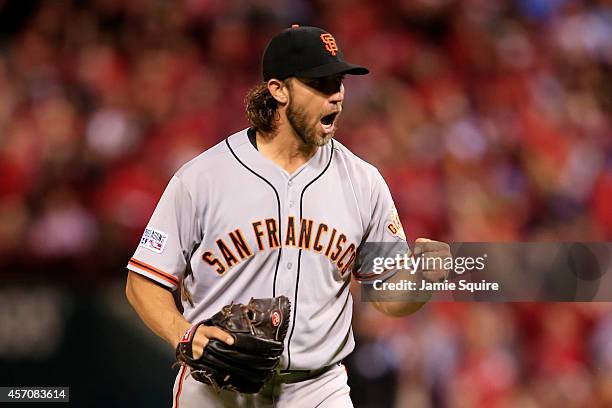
(285, 148)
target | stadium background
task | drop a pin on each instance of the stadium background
(489, 119)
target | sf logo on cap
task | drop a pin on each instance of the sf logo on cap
(330, 43)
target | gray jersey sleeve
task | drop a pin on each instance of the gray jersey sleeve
(170, 236)
(384, 236)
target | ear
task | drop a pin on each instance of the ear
(279, 90)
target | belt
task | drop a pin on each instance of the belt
(295, 376)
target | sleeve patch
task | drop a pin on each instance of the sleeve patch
(153, 240)
(394, 226)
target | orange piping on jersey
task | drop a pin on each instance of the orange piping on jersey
(180, 387)
(369, 275)
(166, 276)
(363, 277)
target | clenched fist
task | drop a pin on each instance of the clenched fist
(435, 257)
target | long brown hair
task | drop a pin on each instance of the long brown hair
(261, 108)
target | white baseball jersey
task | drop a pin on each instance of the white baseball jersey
(247, 228)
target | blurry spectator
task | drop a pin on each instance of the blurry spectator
(490, 119)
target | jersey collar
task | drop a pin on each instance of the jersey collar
(244, 151)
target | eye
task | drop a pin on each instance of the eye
(328, 85)
(314, 83)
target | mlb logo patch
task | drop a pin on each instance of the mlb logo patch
(153, 240)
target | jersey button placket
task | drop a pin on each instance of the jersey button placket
(291, 211)
(291, 202)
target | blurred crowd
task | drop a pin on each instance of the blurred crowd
(489, 119)
(463, 355)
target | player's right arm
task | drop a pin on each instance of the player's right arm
(159, 263)
(155, 306)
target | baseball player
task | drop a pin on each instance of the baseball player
(280, 208)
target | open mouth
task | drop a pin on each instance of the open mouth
(327, 120)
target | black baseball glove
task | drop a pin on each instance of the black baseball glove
(258, 328)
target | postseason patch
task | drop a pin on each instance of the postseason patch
(153, 240)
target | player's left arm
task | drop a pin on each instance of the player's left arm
(403, 303)
(385, 237)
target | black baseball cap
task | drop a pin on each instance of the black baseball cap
(308, 52)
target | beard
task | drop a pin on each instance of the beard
(307, 132)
